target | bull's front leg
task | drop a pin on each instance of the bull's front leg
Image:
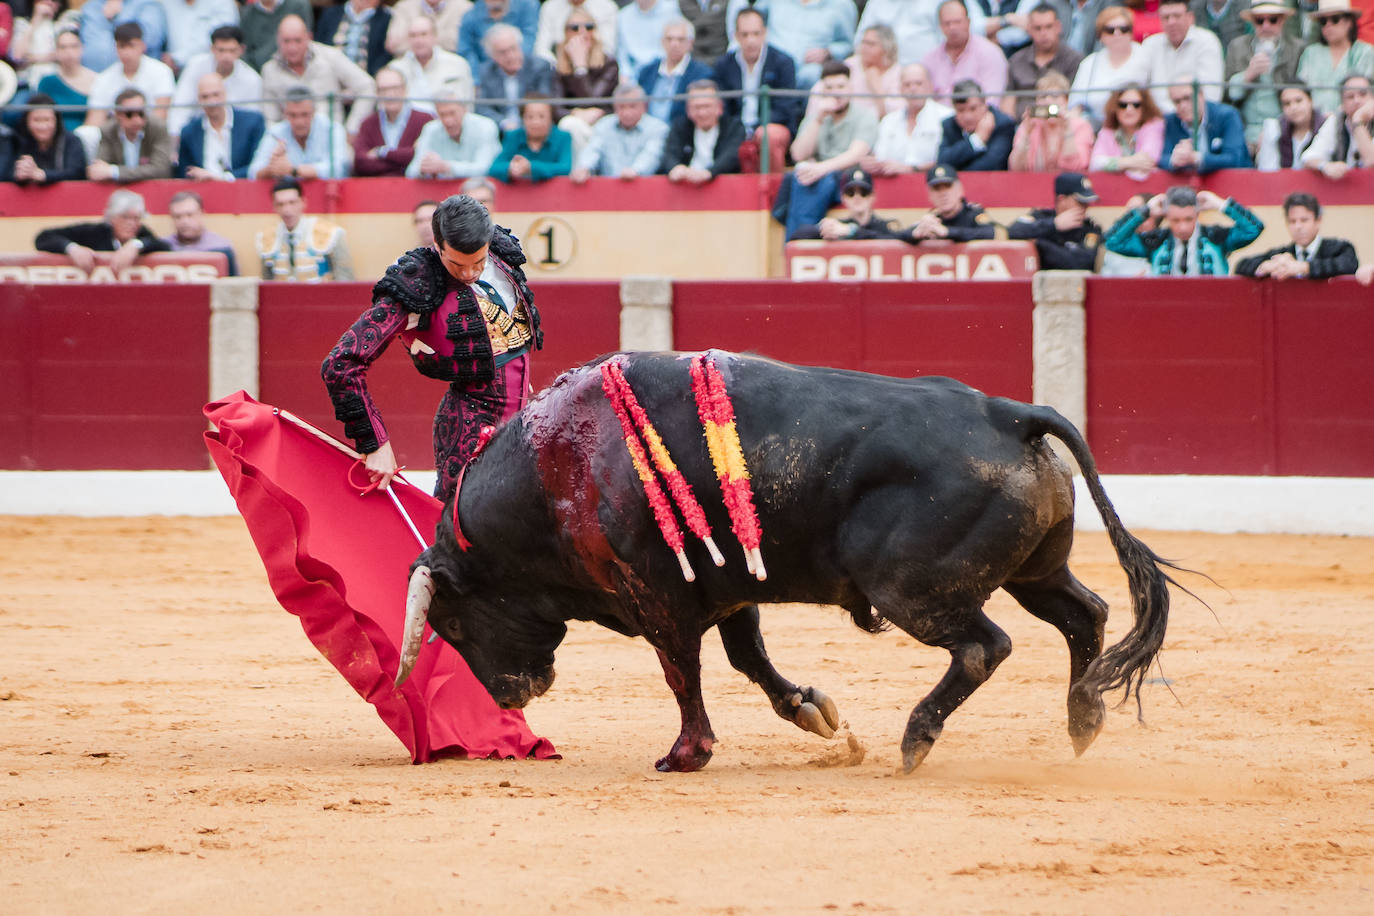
(681, 660)
(805, 707)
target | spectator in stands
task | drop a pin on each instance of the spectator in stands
(429, 69)
(34, 48)
(1083, 24)
(909, 140)
(1052, 135)
(260, 20)
(242, 84)
(705, 141)
(875, 73)
(301, 248)
(1220, 136)
(71, 83)
(859, 222)
(100, 19)
(1309, 256)
(951, 216)
(672, 73)
(1182, 246)
(358, 28)
(1005, 22)
(1044, 55)
(306, 145)
(480, 189)
(522, 14)
(1336, 54)
(639, 32)
(510, 74)
(190, 24)
(133, 70)
(1065, 236)
(917, 25)
(757, 64)
(135, 147)
(583, 70)
(324, 70)
(188, 229)
(833, 138)
(1119, 265)
(1119, 61)
(445, 14)
(459, 144)
(219, 143)
(387, 139)
(1344, 142)
(553, 17)
(812, 32)
(423, 219)
(1267, 58)
(535, 151)
(1284, 140)
(1182, 50)
(626, 146)
(1132, 135)
(711, 27)
(121, 232)
(45, 151)
(1224, 19)
(965, 55)
(977, 137)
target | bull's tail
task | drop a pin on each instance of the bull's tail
(1126, 663)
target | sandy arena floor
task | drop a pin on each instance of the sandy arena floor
(170, 742)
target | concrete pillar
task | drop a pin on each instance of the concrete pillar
(234, 336)
(1060, 346)
(646, 313)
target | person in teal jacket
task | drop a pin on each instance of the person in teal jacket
(1181, 246)
(536, 151)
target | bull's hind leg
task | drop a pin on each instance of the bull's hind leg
(805, 707)
(1078, 613)
(976, 646)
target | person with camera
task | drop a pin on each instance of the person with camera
(1256, 63)
(1065, 236)
(1051, 136)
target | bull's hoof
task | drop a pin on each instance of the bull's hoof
(916, 744)
(1087, 713)
(686, 757)
(815, 712)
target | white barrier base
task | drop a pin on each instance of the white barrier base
(1260, 505)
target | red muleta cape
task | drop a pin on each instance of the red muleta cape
(338, 561)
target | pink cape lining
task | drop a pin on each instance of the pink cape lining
(339, 562)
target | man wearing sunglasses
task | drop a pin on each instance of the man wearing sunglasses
(859, 222)
(134, 147)
(1256, 63)
(553, 17)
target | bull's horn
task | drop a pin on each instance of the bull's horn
(418, 597)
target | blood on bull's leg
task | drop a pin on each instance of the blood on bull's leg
(805, 707)
(976, 646)
(682, 670)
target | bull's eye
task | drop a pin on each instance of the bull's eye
(451, 628)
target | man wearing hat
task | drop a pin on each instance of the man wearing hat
(859, 221)
(1269, 57)
(1065, 236)
(951, 217)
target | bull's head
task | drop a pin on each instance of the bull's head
(508, 648)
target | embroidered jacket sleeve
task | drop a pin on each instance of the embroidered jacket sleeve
(1123, 238)
(1245, 228)
(345, 372)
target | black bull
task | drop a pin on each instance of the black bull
(906, 502)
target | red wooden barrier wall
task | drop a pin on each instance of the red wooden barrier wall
(102, 377)
(300, 323)
(979, 333)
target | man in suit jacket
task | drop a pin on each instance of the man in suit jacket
(369, 19)
(706, 142)
(672, 73)
(218, 144)
(135, 147)
(510, 74)
(122, 232)
(756, 64)
(386, 139)
(1220, 137)
(1309, 256)
(977, 137)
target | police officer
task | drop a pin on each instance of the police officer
(951, 217)
(859, 221)
(1066, 237)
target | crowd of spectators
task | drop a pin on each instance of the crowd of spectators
(521, 90)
